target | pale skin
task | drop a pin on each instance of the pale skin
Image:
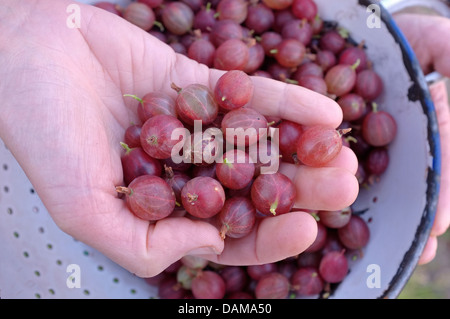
(64, 115)
(425, 34)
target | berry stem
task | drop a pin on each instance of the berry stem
(226, 161)
(343, 32)
(356, 65)
(374, 107)
(159, 25)
(351, 139)
(124, 190)
(197, 33)
(250, 41)
(152, 140)
(344, 131)
(169, 171)
(361, 44)
(223, 231)
(136, 98)
(175, 87)
(332, 96)
(310, 56)
(291, 81)
(191, 197)
(126, 147)
(273, 207)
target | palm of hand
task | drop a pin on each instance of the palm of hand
(68, 91)
(85, 76)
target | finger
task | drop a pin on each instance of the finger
(147, 249)
(270, 97)
(143, 248)
(294, 103)
(172, 238)
(346, 159)
(291, 102)
(154, 66)
(273, 239)
(324, 188)
(429, 251)
(440, 98)
(425, 34)
(155, 246)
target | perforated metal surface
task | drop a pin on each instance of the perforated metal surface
(38, 260)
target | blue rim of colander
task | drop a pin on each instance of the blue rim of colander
(418, 92)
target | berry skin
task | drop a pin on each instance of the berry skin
(237, 217)
(203, 197)
(379, 128)
(233, 90)
(273, 194)
(156, 135)
(195, 102)
(149, 197)
(319, 145)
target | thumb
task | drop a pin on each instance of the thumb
(172, 238)
(439, 95)
(441, 223)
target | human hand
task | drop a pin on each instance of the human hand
(426, 34)
(64, 114)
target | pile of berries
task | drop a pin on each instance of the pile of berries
(221, 164)
(228, 168)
